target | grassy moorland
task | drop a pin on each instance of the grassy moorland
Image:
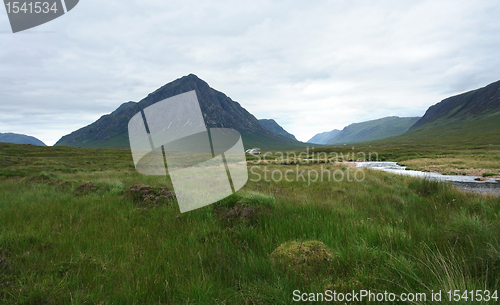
(81, 226)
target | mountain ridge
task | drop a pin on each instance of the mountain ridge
(323, 137)
(219, 111)
(468, 118)
(467, 105)
(373, 130)
(17, 138)
(274, 127)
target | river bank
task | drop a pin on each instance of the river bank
(467, 183)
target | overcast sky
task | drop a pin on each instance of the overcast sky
(313, 66)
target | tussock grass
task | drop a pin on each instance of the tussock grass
(387, 232)
(309, 258)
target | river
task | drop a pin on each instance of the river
(467, 183)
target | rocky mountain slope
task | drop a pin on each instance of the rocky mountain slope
(275, 128)
(470, 118)
(218, 111)
(471, 105)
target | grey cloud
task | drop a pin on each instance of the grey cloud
(312, 67)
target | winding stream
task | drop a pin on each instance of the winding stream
(468, 183)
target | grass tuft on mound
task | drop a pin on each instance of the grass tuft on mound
(308, 257)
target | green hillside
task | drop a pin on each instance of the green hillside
(324, 137)
(373, 130)
(19, 139)
(471, 118)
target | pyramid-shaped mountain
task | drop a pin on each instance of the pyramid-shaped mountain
(219, 111)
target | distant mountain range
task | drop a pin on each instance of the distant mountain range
(275, 128)
(20, 139)
(218, 111)
(322, 138)
(472, 117)
(469, 118)
(365, 131)
(373, 130)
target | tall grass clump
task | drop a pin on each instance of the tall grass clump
(479, 241)
(428, 187)
(432, 269)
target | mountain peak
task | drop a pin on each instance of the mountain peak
(192, 78)
(191, 75)
(219, 111)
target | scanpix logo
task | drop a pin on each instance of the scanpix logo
(25, 15)
(205, 165)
